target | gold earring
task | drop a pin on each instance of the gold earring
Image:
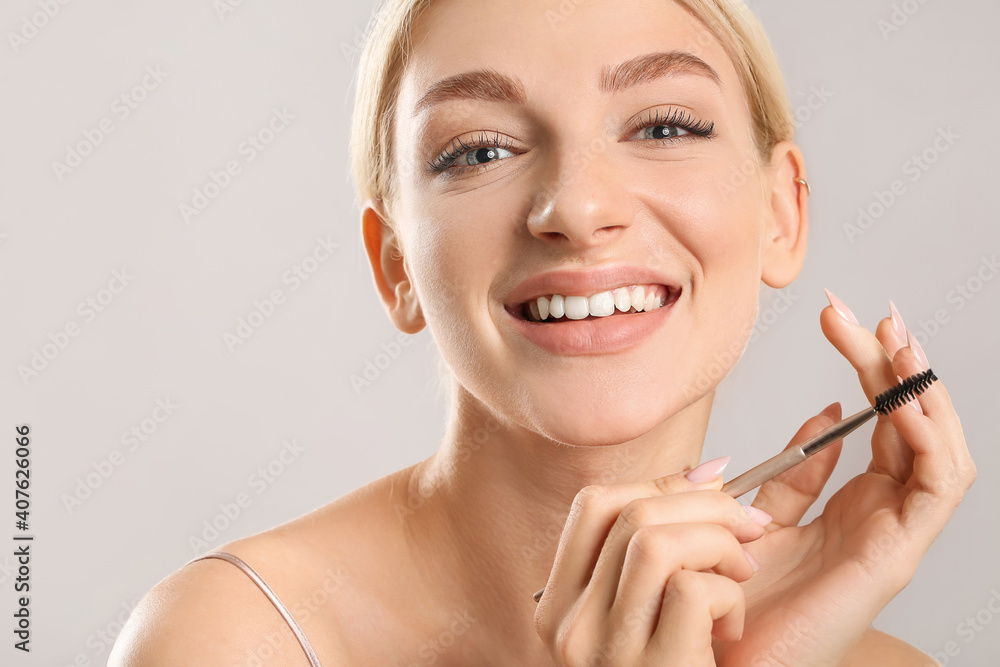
(805, 183)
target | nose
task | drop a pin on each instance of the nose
(585, 205)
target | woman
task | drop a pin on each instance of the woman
(526, 163)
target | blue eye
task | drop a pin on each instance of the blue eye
(673, 124)
(660, 132)
(483, 155)
(479, 152)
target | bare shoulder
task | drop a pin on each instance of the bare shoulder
(209, 612)
(878, 649)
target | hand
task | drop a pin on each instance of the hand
(646, 574)
(822, 584)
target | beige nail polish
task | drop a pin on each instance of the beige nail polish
(840, 307)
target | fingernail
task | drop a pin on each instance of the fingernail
(839, 306)
(708, 471)
(831, 410)
(758, 516)
(917, 350)
(897, 322)
(915, 404)
(753, 561)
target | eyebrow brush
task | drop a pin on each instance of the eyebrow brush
(885, 403)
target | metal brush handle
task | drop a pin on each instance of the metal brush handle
(792, 456)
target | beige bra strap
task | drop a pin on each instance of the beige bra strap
(250, 572)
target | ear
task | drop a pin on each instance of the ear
(389, 269)
(786, 232)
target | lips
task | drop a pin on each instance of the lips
(612, 333)
(585, 283)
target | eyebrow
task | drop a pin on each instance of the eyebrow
(488, 85)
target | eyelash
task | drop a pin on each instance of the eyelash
(676, 118)
(459, 148)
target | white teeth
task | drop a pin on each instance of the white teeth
(639, 298)
(634, 298)
(557, 306)
(601, 304)
(543, 307)
(652, 302)
(577, 307)
(623, 300)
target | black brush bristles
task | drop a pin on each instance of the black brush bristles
(904, 392)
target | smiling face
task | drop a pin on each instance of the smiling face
(608, 150)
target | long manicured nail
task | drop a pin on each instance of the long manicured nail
(753, 561)
(760, 517)
(917, 350)
(915, 403)
(708, 471)
(840, 307)
(897, 322)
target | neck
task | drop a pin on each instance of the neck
(494, 498)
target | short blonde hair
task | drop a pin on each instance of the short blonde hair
(386, 53)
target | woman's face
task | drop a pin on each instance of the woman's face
(610, 148)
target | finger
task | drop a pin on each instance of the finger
(935, 402)
(594, 511)
(693, 508)
(874, 367)
(890, 451)
(696, 605)
(788, 496)
(658, 551)
(942, 463)
(940, 409)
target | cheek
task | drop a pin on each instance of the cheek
(712, 209)
(456, 247)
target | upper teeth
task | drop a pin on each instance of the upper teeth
(634, 298)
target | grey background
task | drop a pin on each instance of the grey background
(162, 336)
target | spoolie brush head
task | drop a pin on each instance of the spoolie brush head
(904, 392)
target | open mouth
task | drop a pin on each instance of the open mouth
(625, 300)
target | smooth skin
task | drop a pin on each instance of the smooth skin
(569, 472)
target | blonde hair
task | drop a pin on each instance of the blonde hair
(388, 46)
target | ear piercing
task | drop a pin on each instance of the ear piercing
(805, 183)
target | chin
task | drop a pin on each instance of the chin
(589, 419)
